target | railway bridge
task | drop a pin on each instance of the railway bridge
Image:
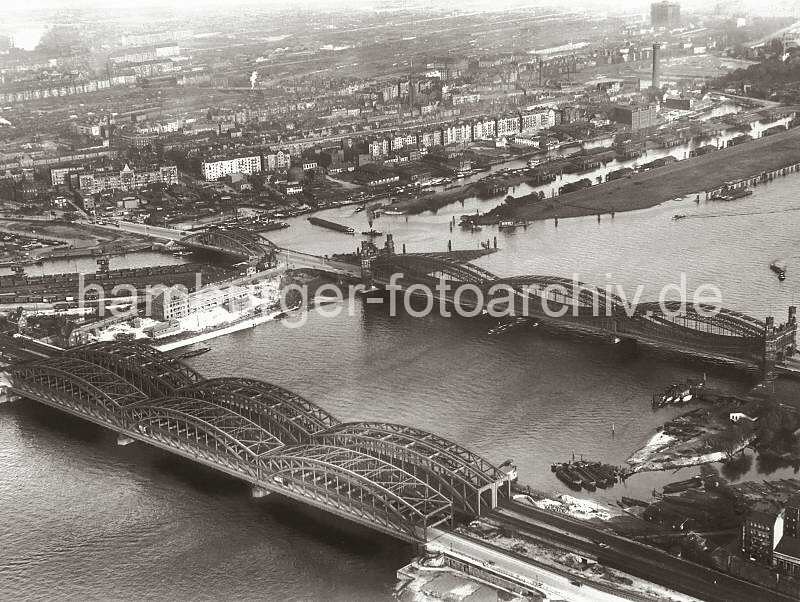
(230, 241)
(709, 333)
(391, 477)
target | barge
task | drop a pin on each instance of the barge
(318, 221)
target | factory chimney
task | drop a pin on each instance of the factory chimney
(656, 67)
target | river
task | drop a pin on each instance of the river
(81, 518)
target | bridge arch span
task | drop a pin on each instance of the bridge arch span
(567, 292)
(702, 318)
(457, 473)
(431, 266)
(76, 385)
(360, 487)
(196, 427)
(289, 416)
(148, 369)
(236, 242)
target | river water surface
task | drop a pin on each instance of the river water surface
(81, 518)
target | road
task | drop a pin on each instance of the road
(635, 558)
(539, 576)
(156, 232)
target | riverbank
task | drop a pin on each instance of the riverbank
(432, 202)
(647, 189)
(700, 436)
(241, 325)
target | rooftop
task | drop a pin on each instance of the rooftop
(789, 546)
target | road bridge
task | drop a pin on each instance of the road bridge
(231, 241)
(701, 331)
(393, 478)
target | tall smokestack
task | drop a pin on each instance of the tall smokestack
(656, 66)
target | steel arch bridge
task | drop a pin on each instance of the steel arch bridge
(355, 484)
(77, 386)
(292, 418)
(235, 242)
(714, 334)
(150, 370)
(459, 474)
(394, 478)
(208, 432)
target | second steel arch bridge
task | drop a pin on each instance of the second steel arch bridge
(231, 241)
(701, 331)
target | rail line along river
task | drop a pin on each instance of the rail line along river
(137, 520)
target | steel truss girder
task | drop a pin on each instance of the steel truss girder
(217, 432)
(359, 484)
(296, 417)
(452, 470)
(150, 370)
(78, 383)
(231, 240)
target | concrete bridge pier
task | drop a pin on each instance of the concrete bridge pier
(6, 396)
(259, 492)
(123, 439)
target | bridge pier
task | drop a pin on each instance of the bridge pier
(6, 396)
(123, 439)
(259, 492)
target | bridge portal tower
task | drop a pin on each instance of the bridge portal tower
(780, 342)
(368, 252)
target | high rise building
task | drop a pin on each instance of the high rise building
(665, 14)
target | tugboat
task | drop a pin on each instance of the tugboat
(678, 216)
(779, 267)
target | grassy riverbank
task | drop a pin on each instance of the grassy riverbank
(656, 186)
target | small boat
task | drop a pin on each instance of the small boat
(507, 225)
(779, 267)
(359, 209)
(678, 216)
(501, 328)
(194, 353)
(567, 476)
(393, 212)
(182, 253)
(372, 233)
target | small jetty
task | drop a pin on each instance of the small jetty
(583, 474)
(318, 221)
(708, 481)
